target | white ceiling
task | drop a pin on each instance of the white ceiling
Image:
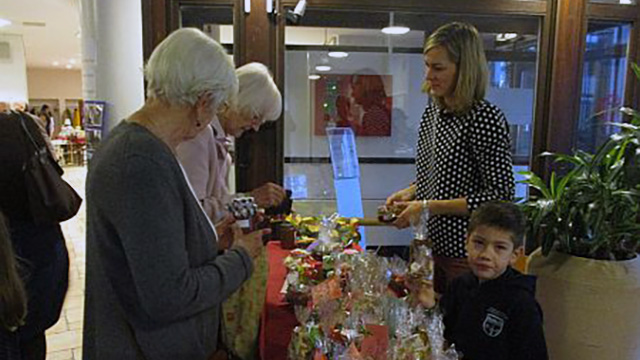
(57, 40)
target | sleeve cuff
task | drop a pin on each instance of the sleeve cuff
(246, 261)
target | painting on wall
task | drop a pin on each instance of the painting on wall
(361, 102)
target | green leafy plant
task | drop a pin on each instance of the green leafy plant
(593, 210)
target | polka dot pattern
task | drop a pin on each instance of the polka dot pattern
(462, 156)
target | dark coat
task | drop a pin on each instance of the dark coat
(40, 249)
(496, 320)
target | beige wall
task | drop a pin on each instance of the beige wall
(54, 84)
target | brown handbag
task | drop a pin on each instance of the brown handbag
(51, 199)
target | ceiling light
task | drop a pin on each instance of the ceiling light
(4, 22)
(56, 63)
(323, 68)
(395, 30)
(72, 61)
(68, 66)
(314, 77)
(338, 54)
(506, 36)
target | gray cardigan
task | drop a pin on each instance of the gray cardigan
(154, 281)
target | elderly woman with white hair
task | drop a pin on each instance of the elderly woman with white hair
(155, 281)
(206, 158)
(206, 161)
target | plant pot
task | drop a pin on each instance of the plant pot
(591, 307)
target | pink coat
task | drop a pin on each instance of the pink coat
(206, 161)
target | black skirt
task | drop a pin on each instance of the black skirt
(9, 345)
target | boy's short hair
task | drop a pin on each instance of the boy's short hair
(505, 216)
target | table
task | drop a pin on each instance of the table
(278, 318)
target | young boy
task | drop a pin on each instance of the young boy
(492, 313)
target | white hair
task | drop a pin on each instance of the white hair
(188, 64)
(257, 91)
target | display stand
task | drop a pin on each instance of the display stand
(346, 174)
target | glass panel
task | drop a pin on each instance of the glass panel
(603, 82)
(327, 67)
(216, 21)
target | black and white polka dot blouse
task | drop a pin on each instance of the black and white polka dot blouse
(462, 156)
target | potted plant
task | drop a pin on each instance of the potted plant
(586, 222)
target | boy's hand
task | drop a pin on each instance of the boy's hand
(422, 293)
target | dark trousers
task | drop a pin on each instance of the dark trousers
(44, 263)
(34, 348)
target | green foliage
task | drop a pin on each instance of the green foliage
(593, 210)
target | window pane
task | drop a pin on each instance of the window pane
(392, 67)
(603, 82)
(216, 21)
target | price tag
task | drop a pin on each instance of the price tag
(375, 345)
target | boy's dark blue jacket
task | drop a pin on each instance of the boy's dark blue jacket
(496, 320)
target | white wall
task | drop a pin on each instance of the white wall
(13, 71)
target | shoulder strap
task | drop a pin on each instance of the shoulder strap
(26, 131)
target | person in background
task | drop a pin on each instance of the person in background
(491, 312)
(47, 118)
(206, 158)
(155, 280)
(463, 155)
(368, 92)
(41, 246)
(206, 161)
(13, 298)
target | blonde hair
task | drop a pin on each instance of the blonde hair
(464, 47)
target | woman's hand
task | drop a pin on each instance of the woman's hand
(409, 213)
(225, 232)
(403, 195)
(268, 195)
(251, 242)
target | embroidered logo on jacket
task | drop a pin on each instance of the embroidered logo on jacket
(493, 323)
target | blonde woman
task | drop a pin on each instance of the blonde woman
(463, 155)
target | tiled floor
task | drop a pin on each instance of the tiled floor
(64, 340)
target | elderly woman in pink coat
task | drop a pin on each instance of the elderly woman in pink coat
(206, 161)
(206, 158)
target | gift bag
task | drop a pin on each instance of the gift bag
(242, 311)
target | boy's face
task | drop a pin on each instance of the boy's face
(490, 251)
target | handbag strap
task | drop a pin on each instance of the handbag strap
(38, 148)
(41, 150)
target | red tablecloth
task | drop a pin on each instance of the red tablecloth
(278, 318)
